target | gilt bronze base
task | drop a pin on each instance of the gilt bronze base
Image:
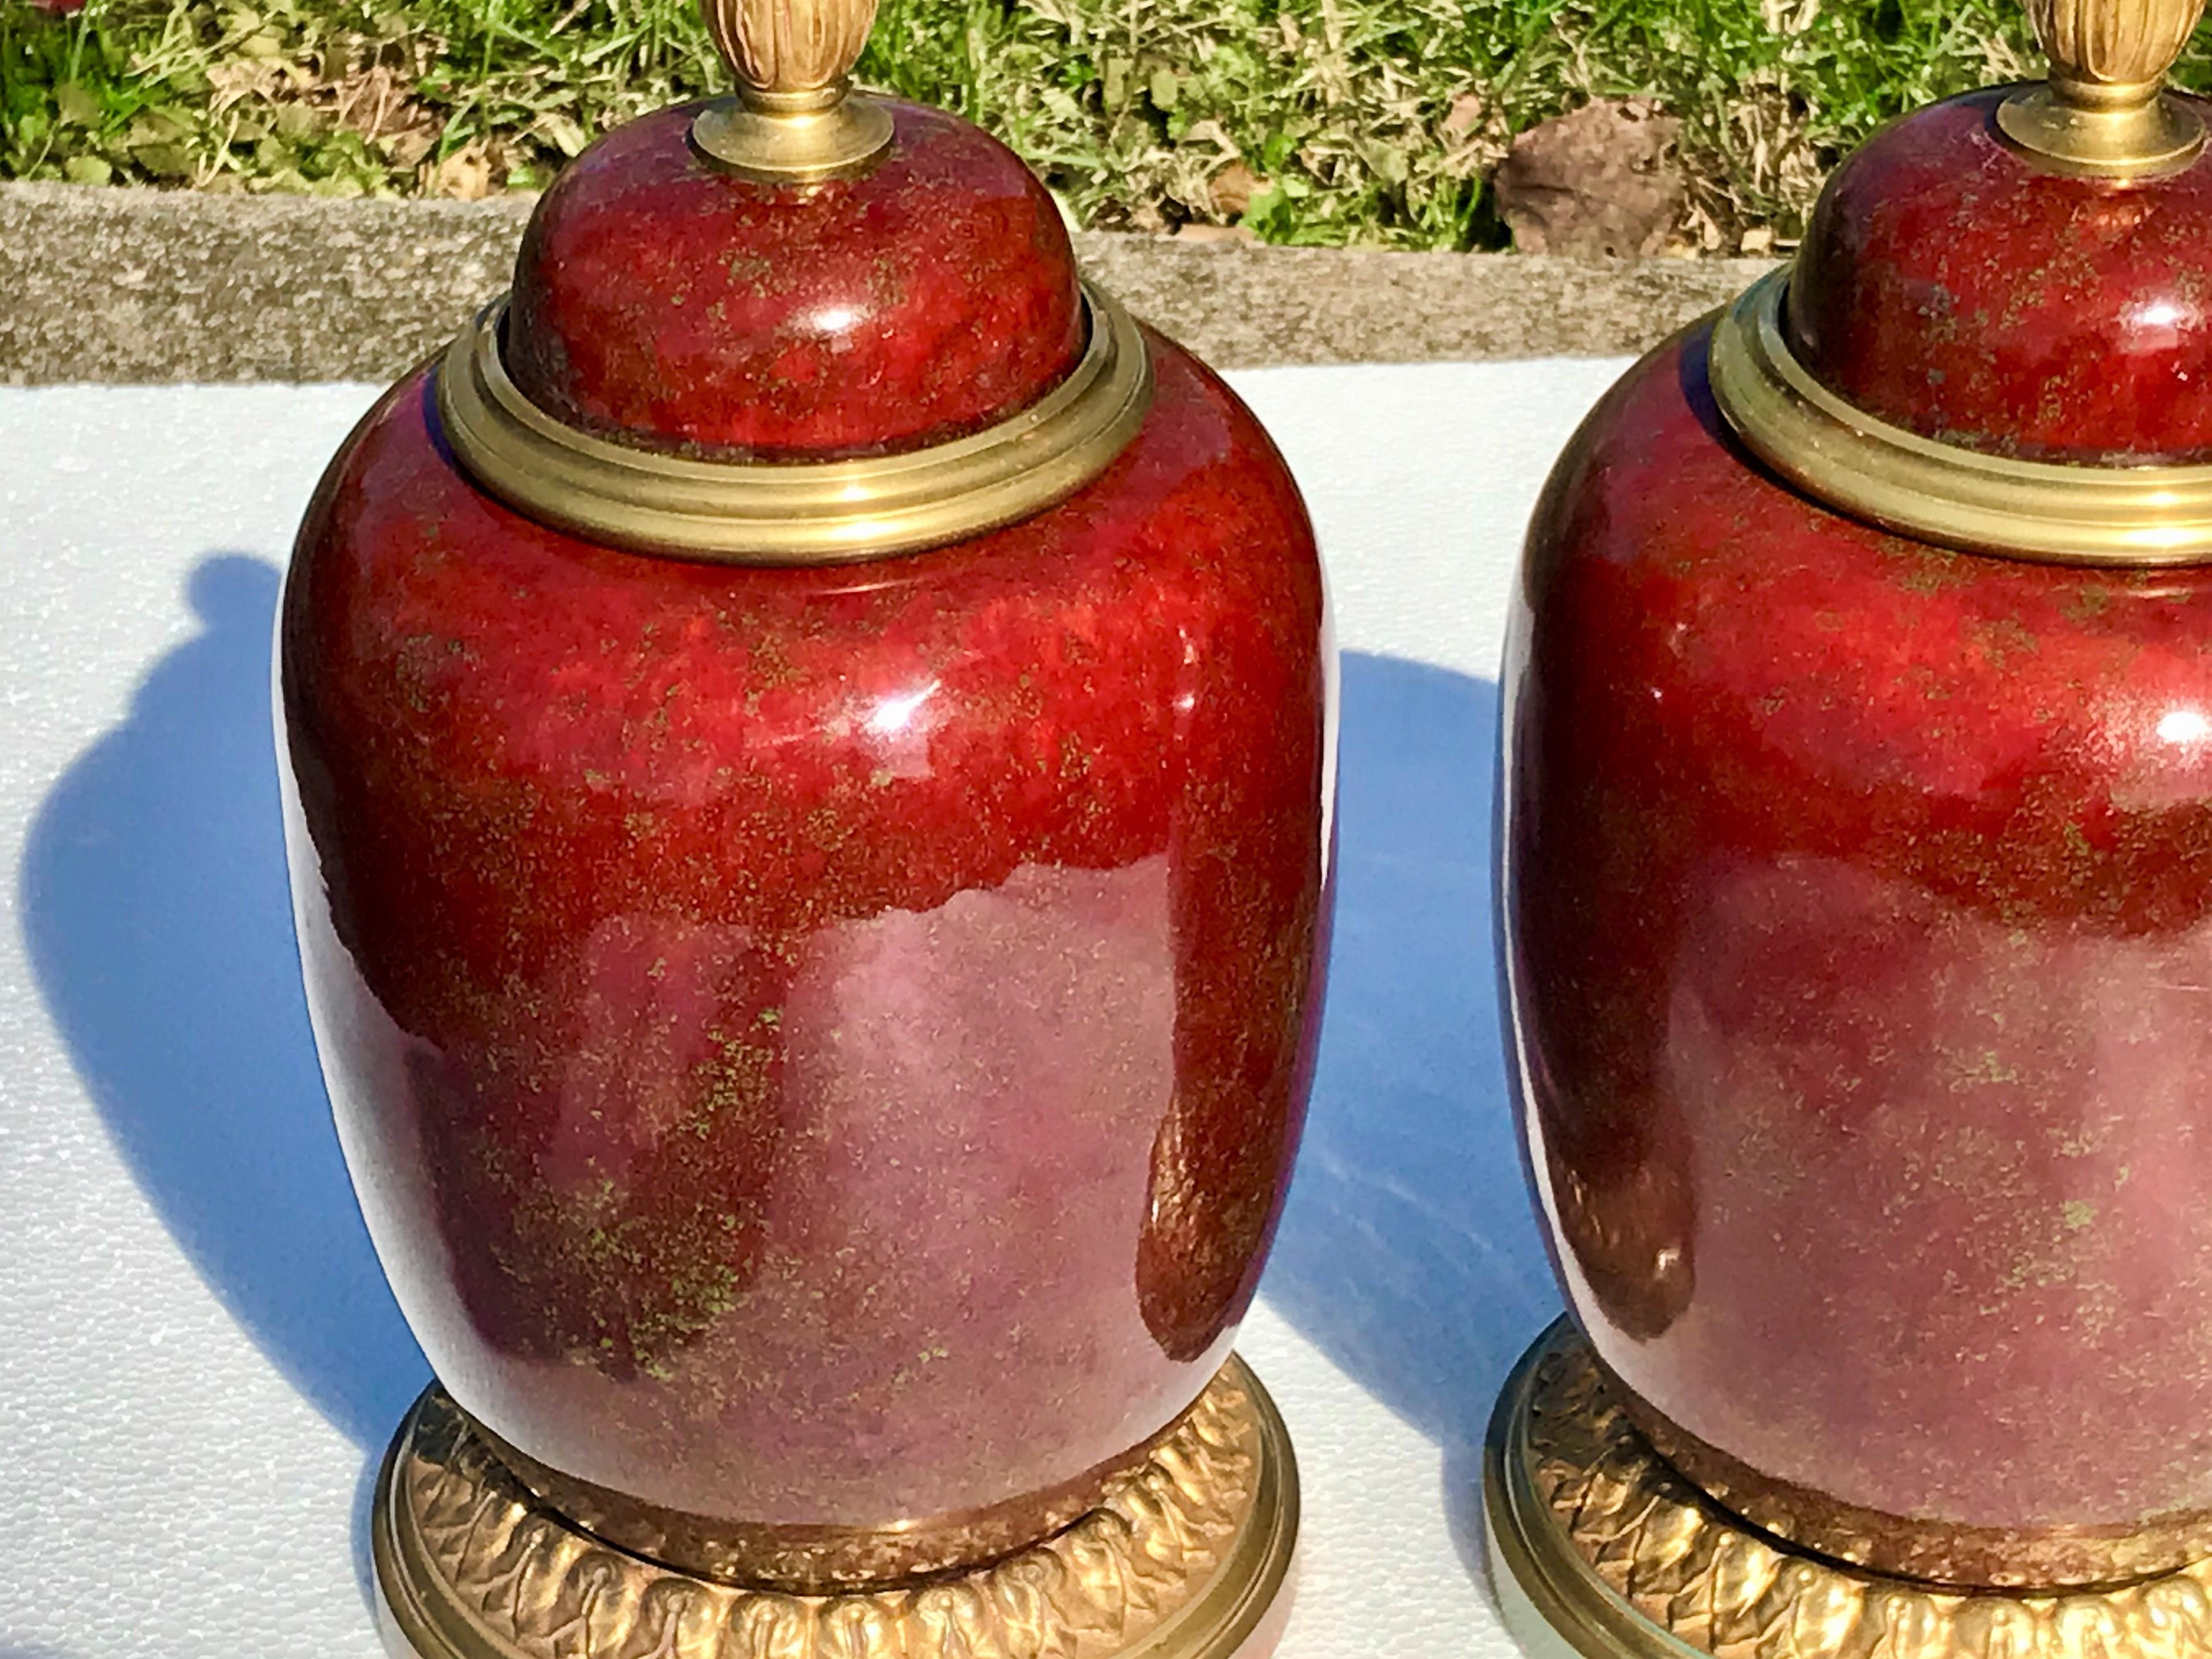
(1186, 1558)
(1600, 1550)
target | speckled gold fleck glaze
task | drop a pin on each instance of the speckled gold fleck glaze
(1935, 1552)
(817, 1560)
(663, 301)
(1948, 286)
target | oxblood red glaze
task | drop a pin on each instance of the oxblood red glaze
(1859, 913)
(659, 297)
(818, 1046)
(1950, 286)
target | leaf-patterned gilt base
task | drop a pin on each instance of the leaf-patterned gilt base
(1600, 1550)
(1183, 1560)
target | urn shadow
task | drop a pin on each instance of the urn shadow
(1409, 1251)
(156, 910)
(158, 917)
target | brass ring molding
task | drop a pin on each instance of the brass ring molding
(1847, 459)
(795, 511)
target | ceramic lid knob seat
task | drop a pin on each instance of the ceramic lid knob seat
(2020, 272)
(770, 275)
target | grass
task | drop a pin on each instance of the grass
(1372, 122)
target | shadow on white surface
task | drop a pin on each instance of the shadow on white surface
(1409, 1252)
(154, 898)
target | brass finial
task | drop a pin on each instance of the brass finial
(2104, 111)
(794, 119)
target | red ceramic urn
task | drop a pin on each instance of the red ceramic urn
(805, 734)
(1857, 883)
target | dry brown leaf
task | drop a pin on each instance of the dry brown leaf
(1233, 189)
(1600, 180)
(466, 175)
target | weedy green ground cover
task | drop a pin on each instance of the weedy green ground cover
(1372, 122)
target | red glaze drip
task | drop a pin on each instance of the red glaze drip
(817, 1047)
(1859, 912)
(1950, 286)
(662, 299)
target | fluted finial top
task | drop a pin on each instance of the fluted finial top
(790, 48)
(2112, 44)
(793, 120)
(2104, 111)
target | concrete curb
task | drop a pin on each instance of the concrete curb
(137, 285)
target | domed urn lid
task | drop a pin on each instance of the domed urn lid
(799, 324)
(1997, 334)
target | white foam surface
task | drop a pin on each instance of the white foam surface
(197, 1365)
